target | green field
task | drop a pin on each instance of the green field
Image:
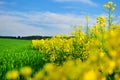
(15, 54)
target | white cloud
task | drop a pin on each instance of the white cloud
(90, 2)
(38, 23)
(9, 26)
(53, 19)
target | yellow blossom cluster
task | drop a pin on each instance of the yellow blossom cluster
(61, 48)
(110, 6)
(99, 29)
(101, 20)
(87, 17)
(14, 74)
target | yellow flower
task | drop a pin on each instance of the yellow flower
(12, 74)
(106, 6)
(39, 76)
(113, 53)
(110, 3)
(102, 54)
(73, 33)
(103, 78)
(117, 77)
(42, 41)
(26, 71)
(96, 27)
(49, 67)
(111, 67)
(58, 36)
(113, 9)
(75, 26)
(87, 17)
(90, 75)
(112, 33)
(101, 20)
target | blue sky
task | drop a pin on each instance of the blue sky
(48, 17)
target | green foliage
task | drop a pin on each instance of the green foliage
(15, 54)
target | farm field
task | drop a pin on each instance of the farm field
(93, 54)
(83, 57)
(15, 54)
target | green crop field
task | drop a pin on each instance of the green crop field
(15, 54)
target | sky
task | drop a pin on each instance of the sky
(49, 17)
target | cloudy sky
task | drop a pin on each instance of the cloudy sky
(48, 17)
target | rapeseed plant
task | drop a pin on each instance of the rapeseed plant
(110, 8)
(14, 74)
(26, 71)
(87, 30)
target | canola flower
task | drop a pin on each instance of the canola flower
(110, 3)
(106, 6)
(90, 75)
(110, 7)
(87, 17)
(14, 74)
(101, 20)
(26, 71)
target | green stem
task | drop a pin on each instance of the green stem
(87, 31)
(109, 20)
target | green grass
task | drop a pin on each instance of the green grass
(13, 43)
(15, 54)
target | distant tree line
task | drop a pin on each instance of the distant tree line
(26, 37)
